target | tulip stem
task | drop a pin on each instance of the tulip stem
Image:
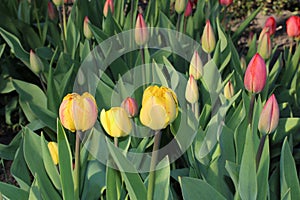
(42, 83)
(260, 150)
(154, 157)
(251, 108)
(208, 57)
(143, 68)
(37, 19)
(178, 23)
(77, 165)
(197, 109)
(62, 29)
(116, 142)
(184, 25)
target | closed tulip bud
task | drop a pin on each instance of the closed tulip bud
(58, 2)
(130, 105)
(159, 107)
(109, 4)
(293, 26)
(269, 116)
(225, 2)
(228, 90)
(53, 149)
(51, 11)
(271, 24)
(243, 63)
(78, 112)
(196, 66)
(256, 74)
(36, 64)
(179, 6)
(141, 31)
(189, 9)
(116, 122)
(191, 90)
(208, 38)
(264, 44)
(86, 29)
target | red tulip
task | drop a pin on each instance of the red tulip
(271, 24)
(225, 2)
(130, 105)
(108, 4)
(141, 31)
(51, 11)
(256, 74)
(189, 9)
(293, 26)
(269, 116)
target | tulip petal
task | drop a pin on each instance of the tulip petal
(65, 112)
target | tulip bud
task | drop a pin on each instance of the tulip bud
(159, 107)
(271, 24)
(208, 38)
(58, 2)
(293, 26)
(189, 9)
(130, 105)
(53, 149)
(36, 64)
(86, 29)
(264, 44)
(191, 90)
(243, 63)
(269, 116)
(225, 2)
(196, 66)
(108, 4)
(78, 112)
(51, 11)
(116, 122)
(141, 31)
(255, 75)
(179, 6)
(228, 90)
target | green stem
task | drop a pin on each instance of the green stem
(154, 157)
(116, 142)
(62, 29)
(184, 25)
(208, 57)
(251, 108)
(64, 20)
(142, 51)
(260, 150)
(42, 83)
(77, 165)
(37, 19)
(178, 24)
(197, 109)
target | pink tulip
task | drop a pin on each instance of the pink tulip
(269, 116)
(130, 105)
(189, 9)
(293, 26)
(86, 29)
(141, 31)
(225, 2)
(108, 4)
(271, 24)
(255, 75)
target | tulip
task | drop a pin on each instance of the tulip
(141, 31)
(269, 116)
(108, 4)
(116, 122)
(58, 2)
(225, 2)
(191, 91)
(159, 107)
(293, 26)
(208, 38)
(228, 90)
(86, 29)
(36, 64)
(189, 9)
(53, 149)
(255, 75)
(264, 44)
(243, 63)
(271, 24)
(179, 6)
(196, 66)
(130, 105)
(51, 11)
(78, 112)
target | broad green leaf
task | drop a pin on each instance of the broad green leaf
(52, 93)
(233, 170)
(72, 38)
(45, 116)
(222, 36)
(286, 126)
(195, 188)
(113, 183)
(12, 192)
(35, 193)
(162, 180)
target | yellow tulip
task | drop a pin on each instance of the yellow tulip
(78, 112)
(191, 90)
(116, 122)
(208, 38)
(159, 107)
(52, 146)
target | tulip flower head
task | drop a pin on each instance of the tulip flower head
(293, 26)
(208, 38)
(191, 91)
(78, 112)
(196, 66)
(86, 29)
(130, 105)
(179, 6)
(225, 2)
(189, 9)
(264, 44)
(51, 11)
(109, 4)
(271, 24)
(36, 64)
(58, 2)
(116, 122)
(53, 149)
(228, 90)
(141, 31)
(159, 107)
(269, 116)
(256, 74)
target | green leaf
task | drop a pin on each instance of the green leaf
(286, 126)
(45, 116)
(233, 170)
(2, 47)
(12, 192)
(113, 183)
(195, 188)
(72, 38)
(288, 173)
(222, 36)
(52, 93)
(35, 193)
(162, 180)
(65, 163)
